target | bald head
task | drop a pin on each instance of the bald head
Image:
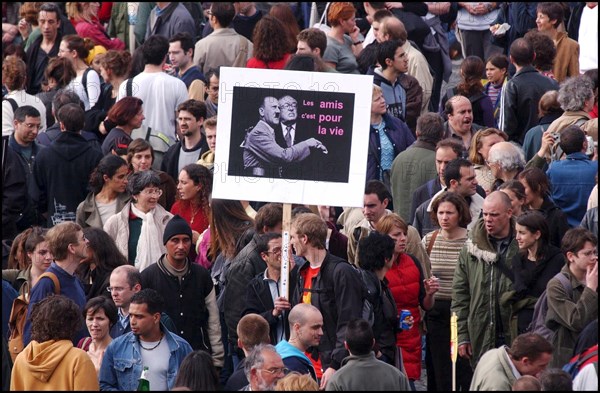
(299, 313)
(497, 212)
(392, 28)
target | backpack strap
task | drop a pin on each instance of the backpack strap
(12, 103)
(84, 82)
(129, 89)
(54, 279)
(432, 241)
(564, 280)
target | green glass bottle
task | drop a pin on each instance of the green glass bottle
(144, 384)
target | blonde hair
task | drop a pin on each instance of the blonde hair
(295, 381)
(474, 156)
(387, 223)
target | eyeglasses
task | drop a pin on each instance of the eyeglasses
(152, 192)
(276, 251)
(31, 125)
(115, 289)
(276, 370)
(591, 253)
(289, 106)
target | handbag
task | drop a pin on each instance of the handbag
(322, 25)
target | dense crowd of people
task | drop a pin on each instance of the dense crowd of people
(480, 202)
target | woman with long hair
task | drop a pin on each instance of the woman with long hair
(516, 192)
(197, 373)
(537, 197)
(127, 115)
(74, 48)
(84, 17)
(410, 290)
(481, 143)
(283, 12)
(108, 183)
(194, 187)
(450, 212)
(114, 66)
(471, 70)
(103, 258)
(100, 315)
(138, 228)
(535, 264)
(271, 47)
(30, 259)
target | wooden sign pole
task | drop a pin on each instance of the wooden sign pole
(285, 250)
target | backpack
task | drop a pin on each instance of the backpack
(371, 295)
(18, 317)
(581, 360)
(96, 114)
(538, 321)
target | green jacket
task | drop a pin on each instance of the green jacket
(476, 290)
(569, 314)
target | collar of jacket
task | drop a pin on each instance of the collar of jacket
(479, 244)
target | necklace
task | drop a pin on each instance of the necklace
(194, 212)
(154, 347)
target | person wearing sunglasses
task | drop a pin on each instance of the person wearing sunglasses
(141, 222)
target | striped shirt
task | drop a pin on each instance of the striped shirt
(444, 256)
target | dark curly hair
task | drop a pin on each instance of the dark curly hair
(201, 176)
(270, 42)
(544, 49)
(374, 249)
(108, 165)
(55, 318)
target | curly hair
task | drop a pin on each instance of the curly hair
(117, 61)
(14, 73)
(108, 165)
(283, 12)
(544, 49)
(269, 42)
(574, 92)
(203, 177)
(55, 318)
(471, 69)
(374, 249)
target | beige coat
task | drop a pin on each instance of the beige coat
(117, 227)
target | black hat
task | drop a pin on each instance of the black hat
(177, 226)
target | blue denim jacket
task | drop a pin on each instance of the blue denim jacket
(122, 362)
(572, 182)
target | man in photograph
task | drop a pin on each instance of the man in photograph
(262, 155)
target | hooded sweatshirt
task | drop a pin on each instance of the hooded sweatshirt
(53, 365)
(62, 172)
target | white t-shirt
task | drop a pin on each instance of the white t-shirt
(588, 39)
(106, 210)
(21, 98)
(161, 93)
(93, 88)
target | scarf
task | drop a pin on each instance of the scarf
(149, 246)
